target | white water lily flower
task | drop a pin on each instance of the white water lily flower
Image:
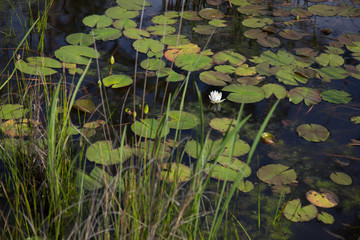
(215, 97)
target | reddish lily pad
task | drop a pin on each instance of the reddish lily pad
(290, 34)
(255, 33)
(313, 132)
(211, 13)
(324, 200)
(269, 41)
(174, 51)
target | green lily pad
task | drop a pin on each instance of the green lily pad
(218, 23)
(24, 67)
(329, 73)
(175, 40)
(174, 51)
(124, 23)
(172, 76)
(188, 120)
(296, 213)
(76, 54)
(152, 64)
(135, 33)
(257, 22)
(94, 124)
(211, 13)
(250, 80)
(282, 58)
(255, 33)
(235, 164)
(240, 148)
(99, 21)
(148, 150)
(323, 10)
(276, 89)
(193, 62)
(276, 174)
(117, 81)
(289, 77)
(302, 13)
(84, 105)
(150, 128)
(12, 111)
(324, 200)
(244, 93)
(253, 9)
(355, 119)
(101, 152)
(147, 44)
(163, 20)
(309, 95)
(336, 96)
(214, 78)
(121, 13)
(222, 124)
(235, 59)
(271, 42)
(333, 60)
(174, 172)
(43, 62)
(227, 69)
(134, 4)
(245, 186)
(245, 70)
(106, 34)
(228, 173)
(190, 15)
(80, 39)
(161, 30)
(290, 34)
(325, 218)
(97, 179)
(341, 178)
(265, 69)
(313, 132)
(306, 52)
(204, 29)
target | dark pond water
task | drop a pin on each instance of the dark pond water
(313, 162)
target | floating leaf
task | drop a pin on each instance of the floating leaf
(276, 89)
(245, 186)
(94, 124)
(324, 200)
(249, 80)
(193, 62)
(313, 132)
(228, 170)
(15, 128)
(276, 174)
(43, 62)
(222, 124)
(302, 13)
(120, 13)
(355, 119)
(24, 67)
(106, 34)
(163, 20)
(289, 77)
(323, 10)
(333, 60)
(84, 105)
(235, 59)
(309, 95)
(117, 81)
(210, 13)
(218, 23)
(265, 69)
(190, 15)
(101, 152)
(336, 96)
(204, 29)
(257, 22)
(175, 51)
(97, 179)
(282, 58)
(174, 172)
(255, 33)
(150, 128)
(267, 138)
(281, 13)
(269, 41)
(135, 33)
(175, 40)
(99, 21)
(161, 30)
(227, 69)
(245, 70)
(290, 34)
(76, 54)
(152, 64)
(124, 23)
(244, 93)
(80, 39)
(215, 78)
(134, 4)
(147, 44)
(188, 120)
(294, 212)
(341, 178)
(325, 218)
(306, 52)
(12, 111)
(148, 150)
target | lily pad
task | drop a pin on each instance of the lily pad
(190, 15)
(227, 69)
(24, 67)
(193, 62)
(149, 128)
(276, 89)
(302, 13)
(43, 62)
(324, 200)
(174, 172)
(15, 128)
(336, 96)
(252, 9)
(117, 81)
(222, 124)
(255, 33)
(147, 44)
(244, 93)
(152, 64)
(333, 60)
(245, 70)
(149, 150)
(355, 119)
(276, 174)
(250, 80)
(271, 42)
(211, 13)
(99, 21)
(296, 213)
(281, 58)
(265, 69)
(235, 59)
(12, 111)
(290, 34)
(134, 4)
(245, 186)
(325, 218)
(174, 51)
(163, 20)
(97, 179)
(84, 105)
(188, 120)
(218, 23)
(257, 22)
(313, 132)
(161, 30)
(101, 152)
(289, 77)
(323, 10)
(121, 13)
(80, 39)
(215, 78)
(228, 170)
(76, 54)
(175, 40)
(135, 33)
(204, 29)
(309, 95)
(329, 73)
(124, 24)
(341, 178)
(106, 34)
